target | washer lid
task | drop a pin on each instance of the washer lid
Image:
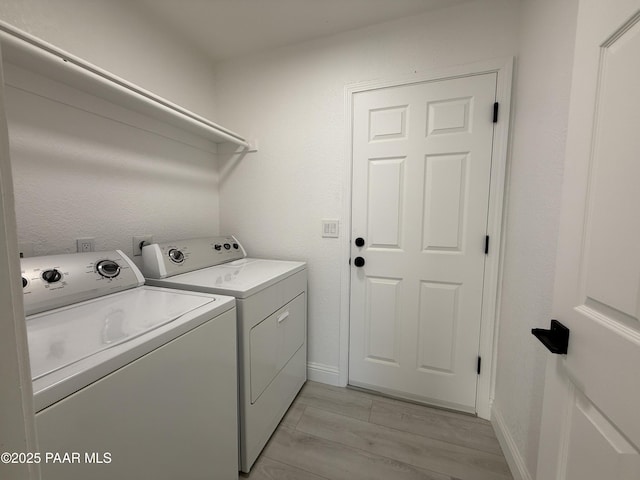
(67, 335)
(240, 278)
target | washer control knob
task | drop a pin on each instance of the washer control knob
(218, 247)
(108, 268)
(51, 276)
(176, 256)
(24, 282)
(236, 246)
(227, 246)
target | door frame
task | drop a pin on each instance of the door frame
(16, 400)
(503, 67)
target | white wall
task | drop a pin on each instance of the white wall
(292, 100)
(541, 101)
(80, 168)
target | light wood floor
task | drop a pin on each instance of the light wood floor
(334, 433)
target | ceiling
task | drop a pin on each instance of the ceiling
(223, 29)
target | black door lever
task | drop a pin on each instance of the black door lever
(555, 339)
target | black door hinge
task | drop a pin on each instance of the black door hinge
(479, 364)
(495, 112)
(486, 245)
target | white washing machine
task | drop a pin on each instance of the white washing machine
(130, 381)
(271, 297)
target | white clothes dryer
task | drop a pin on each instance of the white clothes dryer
(129, 381)
(271, 297)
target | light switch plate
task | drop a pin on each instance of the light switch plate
(330, 228)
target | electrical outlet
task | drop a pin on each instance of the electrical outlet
(87, 244)
(140, 241)
(26, 249)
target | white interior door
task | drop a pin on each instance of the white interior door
(591, 414)
(421, 176)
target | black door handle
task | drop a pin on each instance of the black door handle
(556, 339)
(358, 262)
(359, 242)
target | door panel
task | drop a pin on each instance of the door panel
(596, 450)
(448, 116)
(615, 152)
(444, 202)
(421, 173)
(388, 123)
(386, 189)
(438, 316)
(598, 270)
(382, 320)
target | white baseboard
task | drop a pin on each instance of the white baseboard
(318, 372)
(509, 448)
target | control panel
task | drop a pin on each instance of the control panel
(161, 260)
(58, 280)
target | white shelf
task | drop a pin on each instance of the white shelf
(31, 53)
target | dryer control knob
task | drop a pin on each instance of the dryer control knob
(227, 246)
(108, 268)
(218, 247)
(24, 282)
(176, 256)
(51, 276)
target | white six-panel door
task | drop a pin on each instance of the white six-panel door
(591, 414)
(421, 176)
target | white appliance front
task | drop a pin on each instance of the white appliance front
(123, 382)
(271, 297)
